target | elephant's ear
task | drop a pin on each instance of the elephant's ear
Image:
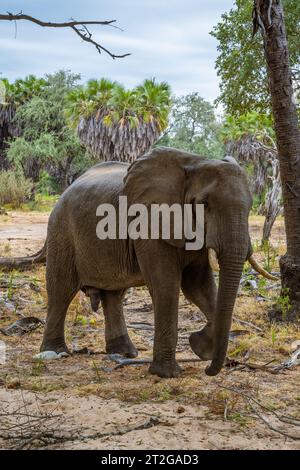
(158, 177)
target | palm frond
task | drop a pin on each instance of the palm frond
(119, 124)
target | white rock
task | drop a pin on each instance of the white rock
(50, 355)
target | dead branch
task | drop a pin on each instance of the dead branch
(149, 423)
(292, 362)
(271, 426)
(79, 27)
(121, 362)
(30, 429)
(251, 401)
(233, 364)
(247, 323)
(36, 430)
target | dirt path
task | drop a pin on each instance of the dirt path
(97, 423)
(99, 407)
(22, 233)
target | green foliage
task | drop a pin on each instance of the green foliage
(83, 101)
(47, 185)
(16, 94)
(23, 90)
(154, 101)
(148, 101)
(47, 144)
(27, 156)
(241, 64)
(194, 127)
(14, 188)
(262, 287)
(119, 124)
(249, 124)
(283, 303)
(250, 138)
(40, 203)
(269, 255)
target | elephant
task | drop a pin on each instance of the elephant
(105, 269)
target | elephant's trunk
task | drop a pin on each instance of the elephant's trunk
(231, 267)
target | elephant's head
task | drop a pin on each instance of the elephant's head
(171, 176)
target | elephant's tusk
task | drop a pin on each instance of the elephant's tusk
(214, 264)
(213, 260)
(260, 269)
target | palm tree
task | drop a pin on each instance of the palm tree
(119, 124)
(259, 152)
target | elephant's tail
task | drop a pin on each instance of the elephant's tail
(25, 262)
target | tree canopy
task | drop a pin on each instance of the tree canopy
(115, 123)
(46, 142)
(194, 126)
(240, 63)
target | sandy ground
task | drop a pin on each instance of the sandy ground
(22, 233)
(82, 402)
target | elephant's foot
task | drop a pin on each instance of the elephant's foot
(57, 345)
(121, 345)
(202, 344)
(165, 369)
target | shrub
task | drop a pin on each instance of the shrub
(47, 184)
(14, 188)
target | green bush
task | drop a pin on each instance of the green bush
(14, 188)
(47, 184)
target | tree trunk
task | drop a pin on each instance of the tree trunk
(272, 201)
(268, 16)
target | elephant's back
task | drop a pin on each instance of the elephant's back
(111, 173)
(104, 169)
(101, 184)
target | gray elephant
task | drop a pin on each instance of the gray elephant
(104, 269)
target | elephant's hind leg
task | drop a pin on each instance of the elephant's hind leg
(200, 288)
(116, 335)
(62, 286)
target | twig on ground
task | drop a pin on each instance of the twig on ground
(247, 323)
(121, 362)
(292, 362)
(36, 430)
(233, 364)
(271, 426)
(292, 421)
(140, 326)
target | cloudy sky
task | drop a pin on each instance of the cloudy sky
(168, 39)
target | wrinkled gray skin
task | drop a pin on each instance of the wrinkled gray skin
(77, 259)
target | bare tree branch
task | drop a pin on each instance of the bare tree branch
(79, 27)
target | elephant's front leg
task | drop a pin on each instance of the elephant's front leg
(198, 285)
(159, 265)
